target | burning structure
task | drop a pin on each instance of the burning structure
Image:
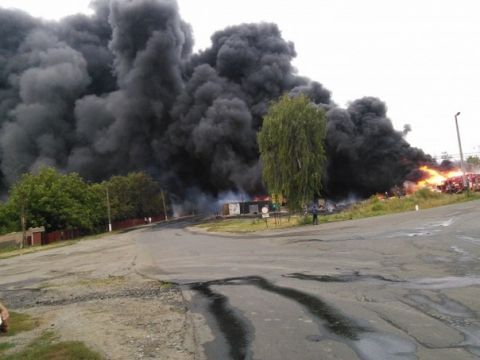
(447, 181)
(121, 90)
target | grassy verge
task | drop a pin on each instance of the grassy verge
(4, 346)
(248, 225)
(372, 207)
(47, 347)
(11, 251)
(19, 322)
(8, 252)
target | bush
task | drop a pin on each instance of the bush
(305, 220)
(376, 204)
(426, 194)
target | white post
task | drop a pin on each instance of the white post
(108, 212)
(465, 182)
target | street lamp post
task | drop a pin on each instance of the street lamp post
(465, 183)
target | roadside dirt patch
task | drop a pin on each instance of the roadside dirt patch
(122, 317)
(91, 292)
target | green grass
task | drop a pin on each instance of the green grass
(11, 251)
(47, 347)
(5, 346)
(19, 322)
(8, 248)
(248, 225)
(14, 251)
(372, 207)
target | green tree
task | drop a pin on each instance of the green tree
(57, 201)
(8, 219)
(473, 162)
(135, 195)
(291, 143)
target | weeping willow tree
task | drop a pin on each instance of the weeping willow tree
(291, 143)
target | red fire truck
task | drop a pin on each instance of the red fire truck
(456, 185)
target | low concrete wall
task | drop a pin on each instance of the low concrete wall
(33, 237)
(10, 239)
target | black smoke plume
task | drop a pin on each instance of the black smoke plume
(366, 154)
(121, 90)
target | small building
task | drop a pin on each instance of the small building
(245, 207)
(35, 236)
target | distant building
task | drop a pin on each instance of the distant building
(246, 207)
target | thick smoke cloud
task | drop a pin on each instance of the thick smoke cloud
(149, 44)
(121, 90)
(41, 126)
(229, 88)
(366, 154)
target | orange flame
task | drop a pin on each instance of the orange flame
(436, 178)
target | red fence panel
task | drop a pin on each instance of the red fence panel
(158, 218)
(60, 235)
(125, 224)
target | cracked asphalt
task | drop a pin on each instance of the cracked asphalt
(401, 286)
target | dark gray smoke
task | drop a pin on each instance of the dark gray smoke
(121, 90)
(366, 154)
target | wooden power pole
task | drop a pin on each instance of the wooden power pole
(164, 207)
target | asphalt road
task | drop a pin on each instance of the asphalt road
(394, 287)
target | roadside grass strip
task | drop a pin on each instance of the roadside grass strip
(373, 206)
(19, 322)
(5, 346)
(425, 199)
(11, 251)
(47, 347)
(249, 225)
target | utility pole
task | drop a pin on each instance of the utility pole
(164, 207)
(465, 182)
(24, 224)
(108, 211)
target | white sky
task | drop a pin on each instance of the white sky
(422, 57)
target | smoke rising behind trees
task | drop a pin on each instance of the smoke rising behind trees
(121, 90)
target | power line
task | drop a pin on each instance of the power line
(455, 156)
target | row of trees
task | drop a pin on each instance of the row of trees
(291, 144)
(66, 201)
